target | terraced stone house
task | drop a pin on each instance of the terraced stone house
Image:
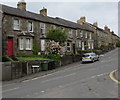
(100, 36)
(22, 29)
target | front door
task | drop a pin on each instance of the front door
(10, 46)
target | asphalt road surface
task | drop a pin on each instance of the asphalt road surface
(90, 80)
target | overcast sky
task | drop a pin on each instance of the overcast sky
(105, 13)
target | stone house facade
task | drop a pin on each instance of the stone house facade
(22, 30)
(100, 36)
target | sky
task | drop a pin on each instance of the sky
(105, 13)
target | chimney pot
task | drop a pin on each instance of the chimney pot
(21, 5)
(95, 24)
(81, 20)
(43, 11)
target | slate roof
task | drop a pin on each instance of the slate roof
(96, 27)
(38, 17)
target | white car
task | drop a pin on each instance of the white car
(90, 57)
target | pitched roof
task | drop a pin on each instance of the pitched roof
(96, 27)
(41, 18)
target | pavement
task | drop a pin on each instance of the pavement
(90, 80)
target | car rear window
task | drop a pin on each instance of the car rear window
(85, 55)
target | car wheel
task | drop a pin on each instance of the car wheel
(93, 61)
(82, 62)
(98, 59)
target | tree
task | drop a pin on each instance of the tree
(57, 35)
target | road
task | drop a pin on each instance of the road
(90, 80)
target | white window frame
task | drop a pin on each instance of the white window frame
(90, 36)
(21, 43)
(68, 50)
(76, 33)
(79, 44)
(43, 28)
(81, 34)
(83, 47)
(89, 45)
(70, 32)
(16, 26)
(30, 28)
(42, 45)
(86, 35)
(28, 44)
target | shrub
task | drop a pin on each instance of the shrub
(35, 49)
(6, 58)
(25, 55)
(118, 44)
(53, 50)
(84, 51)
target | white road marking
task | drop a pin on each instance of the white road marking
(42, 91)
(59, 77)
(93, 76)
(25, 80)
(60, 86)
(100, 75)
(10, 89)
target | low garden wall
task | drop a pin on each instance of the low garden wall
(14, 70)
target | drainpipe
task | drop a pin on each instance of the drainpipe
(1, 32)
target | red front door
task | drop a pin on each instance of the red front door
(10, 47)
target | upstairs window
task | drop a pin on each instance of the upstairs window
(42, 28)
(70, 32)
(90, 36)
(86, 35)
(81, 34)
(16, 24)
(30, 26)
(76, 33)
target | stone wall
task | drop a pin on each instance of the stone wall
(20, 69)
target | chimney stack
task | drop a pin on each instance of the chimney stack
(81, 20)
(106, 28)
(112, 32)
(21, 5)
(43, 11)
(95, 24)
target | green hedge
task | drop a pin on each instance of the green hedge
(118, 44)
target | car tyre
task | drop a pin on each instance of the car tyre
(93, 61)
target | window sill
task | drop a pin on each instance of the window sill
(28, 49)
(16, 29)
(21, 49)
(30, 31)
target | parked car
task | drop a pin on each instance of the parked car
(90, 57)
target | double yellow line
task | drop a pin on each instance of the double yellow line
(112, 77)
